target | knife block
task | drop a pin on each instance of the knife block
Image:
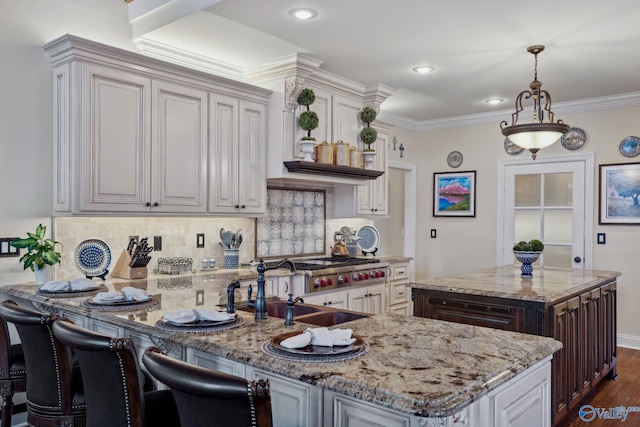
(123, 271)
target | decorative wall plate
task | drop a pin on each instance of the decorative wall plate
(454, 159)
(573, 139)
(630, 146)
(368, 238)
(512, 148)
(93, 257)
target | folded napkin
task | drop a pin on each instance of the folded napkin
(213, 315)
(189, 316)
(82, 284)
(181, 316)
(134, 294)
(55, 286)
(108, 297)
(321, 337)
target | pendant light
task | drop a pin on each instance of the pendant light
(535, 134)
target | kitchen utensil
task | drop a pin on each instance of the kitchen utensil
(132, 245)
(226, 237)
(239, 241)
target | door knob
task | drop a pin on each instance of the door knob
(577, 259)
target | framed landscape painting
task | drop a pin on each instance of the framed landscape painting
(454, 194)
(619, 192)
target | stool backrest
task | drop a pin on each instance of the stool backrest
(205, 397)
(110, 373)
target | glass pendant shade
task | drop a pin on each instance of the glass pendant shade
(536, 134)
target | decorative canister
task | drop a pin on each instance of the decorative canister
(231, 258)
(355, 155)
(324, 153)
(341, 151)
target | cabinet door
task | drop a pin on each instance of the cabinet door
(344, 411)
(116, 141)
(179, 148)
(345, 119)
(372, 198)
(358, 300)
(596, 334)
(608, 319)
(252, 167)
(376, 299)
(223, 154)
(332, 299)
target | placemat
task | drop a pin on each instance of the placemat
(268, 348)
(72, 294)
(134, 306)
(237, 322)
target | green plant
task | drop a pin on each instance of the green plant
(308, 120)
(533, 245)
(368, 135)
(40, 251)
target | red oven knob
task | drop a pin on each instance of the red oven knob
(343, 280)
(375, 274)
(329, 282)
(382, 273)
(366, 276)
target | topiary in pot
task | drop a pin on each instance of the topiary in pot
(308, 120)
(368, 135)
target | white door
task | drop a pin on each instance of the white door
(550, 200)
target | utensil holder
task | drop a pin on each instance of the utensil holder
(124, 271)
(231, 258)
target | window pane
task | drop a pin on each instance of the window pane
(528, 190)
(527, 225)
(558, 226)
(558, 189)
(557, 256)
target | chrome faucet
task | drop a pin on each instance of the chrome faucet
(260, 312)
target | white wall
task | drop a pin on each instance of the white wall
(465, 244)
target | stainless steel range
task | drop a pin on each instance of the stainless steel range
(324, 274)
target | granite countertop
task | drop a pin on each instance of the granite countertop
(416, 366)
(547, 285)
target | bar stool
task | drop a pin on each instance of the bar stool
(113, 381)
(13, 372)
(54, 385)
(209, 398)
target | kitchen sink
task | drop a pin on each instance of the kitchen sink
(331, 317)
(312, 314)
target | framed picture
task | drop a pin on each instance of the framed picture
(619, 193)
(454, 193)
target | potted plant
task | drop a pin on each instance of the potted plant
(41, 253)
(527, 253)
(368, 135)
(308, 121)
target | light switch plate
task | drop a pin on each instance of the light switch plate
(157, 243)
(433, 233)
(602, 238)
(199, 240)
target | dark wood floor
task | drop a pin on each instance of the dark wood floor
(623, 391)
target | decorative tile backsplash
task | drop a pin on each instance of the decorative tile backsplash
(294, 224)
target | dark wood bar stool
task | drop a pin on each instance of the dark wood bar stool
(113, 381)
(209, 398)
(13, 372)
(55, 397)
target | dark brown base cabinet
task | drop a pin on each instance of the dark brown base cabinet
(584, 323)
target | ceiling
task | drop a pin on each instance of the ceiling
(477, 47)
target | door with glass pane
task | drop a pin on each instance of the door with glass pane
(546, 201)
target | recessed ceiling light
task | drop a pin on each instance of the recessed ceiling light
(494, 101)
(424, 69)
(303, 13)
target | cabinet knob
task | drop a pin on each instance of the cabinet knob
(237, 206)
(156, 204)
(147, 204)
(578, 259)
(243, 206)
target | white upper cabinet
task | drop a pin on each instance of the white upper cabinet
(133, 134)
(237, 156)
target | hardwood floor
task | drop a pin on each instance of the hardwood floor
(624, 391)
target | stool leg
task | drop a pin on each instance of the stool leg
(7, 408)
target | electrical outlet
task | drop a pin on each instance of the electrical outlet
(433, 233)
(200, 240)
(136, 238)
(157, 243)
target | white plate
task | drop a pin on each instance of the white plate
(93, 257)
(368, 238)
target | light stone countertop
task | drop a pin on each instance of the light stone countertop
(416, 366)
(546, 286)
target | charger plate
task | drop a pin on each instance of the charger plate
(315, 350)
(268, 349)
(201, 327)
(123, 305)
(72, 294)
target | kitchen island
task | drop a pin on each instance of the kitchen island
(576, 307)
(417, 372)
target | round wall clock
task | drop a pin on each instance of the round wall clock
(454, 159)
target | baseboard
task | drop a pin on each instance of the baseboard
(629, 341)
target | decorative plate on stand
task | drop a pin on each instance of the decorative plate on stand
(92, 258)
(368, 239)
